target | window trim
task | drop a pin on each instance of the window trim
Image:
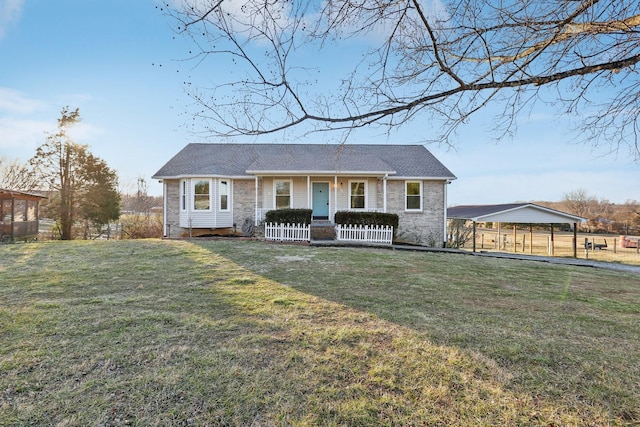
(183, 195)
(275, 195)
(193, 195)
(406, 196)
(228, 194)
(366, 189)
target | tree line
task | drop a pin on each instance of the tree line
(81, 189)
(602, 215)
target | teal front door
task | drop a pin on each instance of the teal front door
(320, 200)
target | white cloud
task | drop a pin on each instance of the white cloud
(9, 12)
(20, 124)
(242, 15)
(375, 24)
(13, 101)
(20, 136)
(24, 122)
(22, 133)
(84, 133)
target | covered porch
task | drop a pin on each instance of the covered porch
(323, 194)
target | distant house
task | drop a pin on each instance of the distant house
(218, 186)
(18, 215)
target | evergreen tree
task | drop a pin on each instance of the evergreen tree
(82, 185)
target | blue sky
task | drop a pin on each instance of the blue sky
(120, 63)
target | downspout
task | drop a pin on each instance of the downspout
(256, 201)
(444, 234)
(164, 207)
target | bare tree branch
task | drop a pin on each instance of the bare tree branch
(15, 175)
(441, 61)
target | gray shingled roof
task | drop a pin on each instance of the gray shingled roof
(256, 159)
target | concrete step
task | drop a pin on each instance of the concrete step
(322, 231)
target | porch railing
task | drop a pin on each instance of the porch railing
(365, 233)
(287, 232)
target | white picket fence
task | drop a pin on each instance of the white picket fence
(287, 232)
(366, 233)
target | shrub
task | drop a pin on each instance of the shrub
(367, 218)
(140, 226)
(288, 216)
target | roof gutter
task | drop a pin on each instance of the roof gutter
(318, 172)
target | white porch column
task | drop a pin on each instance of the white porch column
(308, 192)
(384, 193)
(335, 196)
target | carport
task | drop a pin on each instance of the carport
(515, 213)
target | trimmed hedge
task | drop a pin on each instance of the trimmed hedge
(288, 216)
(367, 218)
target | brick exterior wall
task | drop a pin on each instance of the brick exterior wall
(244, 201)
(173, 209)
(425, 227)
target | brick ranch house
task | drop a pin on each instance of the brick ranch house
(210, 187)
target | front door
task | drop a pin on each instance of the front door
(320, 200)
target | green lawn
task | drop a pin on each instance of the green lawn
(249, 333)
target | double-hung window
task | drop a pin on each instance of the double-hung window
(183, 195)
(202, 195)
(224, 195)
(357, 194)
(413, 192)
(282, 194)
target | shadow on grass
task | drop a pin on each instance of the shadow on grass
(233, 333)
(568, 335)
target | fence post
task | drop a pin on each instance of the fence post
(586, 247)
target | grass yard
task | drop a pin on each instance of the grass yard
(213, 333)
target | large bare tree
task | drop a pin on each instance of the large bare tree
(437, 60)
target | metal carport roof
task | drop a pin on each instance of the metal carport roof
(521, 213)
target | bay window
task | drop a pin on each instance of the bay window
(224, 195)
(183, 195)
(202, 195)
